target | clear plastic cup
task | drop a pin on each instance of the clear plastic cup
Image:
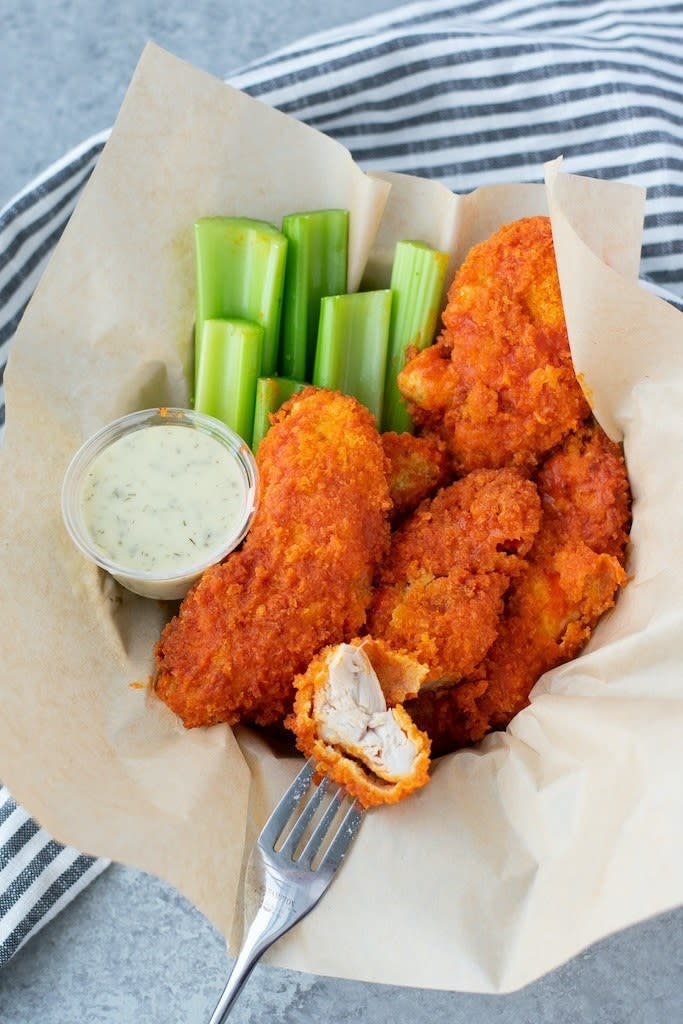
(178, 488)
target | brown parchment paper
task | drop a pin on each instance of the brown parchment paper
(519, 852)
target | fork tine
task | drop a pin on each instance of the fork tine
(287, 805)
(299, 827)
(348, 827)
(319, 833)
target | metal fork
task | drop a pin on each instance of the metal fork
(292, 864)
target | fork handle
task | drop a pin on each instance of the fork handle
(244, 965)
(268, 925)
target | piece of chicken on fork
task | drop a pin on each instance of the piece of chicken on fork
(348, 717)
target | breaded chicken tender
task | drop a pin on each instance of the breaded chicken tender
(441, 587)
(499, 385)
(301, 580)
(575, 570)
(418, 466)
(341, 718)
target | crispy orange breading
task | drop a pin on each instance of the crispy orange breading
(418, 466)
(400, 676)
(341, 719)
(585, 489)
(499, 385)
(441, 587)
(574, 573)
(302, 578)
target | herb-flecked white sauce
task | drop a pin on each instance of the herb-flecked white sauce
(162, 498)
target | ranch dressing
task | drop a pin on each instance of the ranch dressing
(162, 498)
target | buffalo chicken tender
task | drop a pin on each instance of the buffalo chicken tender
(499, 385)
(440, 590)
(418, 466)
(342, 720)
(575, 569)
(302, 579)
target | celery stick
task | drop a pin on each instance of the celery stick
(352, 344)
(229, 365)
(417, 279)
(271, 392)
(317, 252)
(240, 274)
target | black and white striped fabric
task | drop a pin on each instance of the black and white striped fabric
(37, 876)
(469, 93)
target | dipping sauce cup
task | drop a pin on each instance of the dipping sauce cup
(158, 496)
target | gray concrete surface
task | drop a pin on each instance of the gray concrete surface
(65, 64)
(130, 950)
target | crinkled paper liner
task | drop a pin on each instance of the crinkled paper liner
(518, 853)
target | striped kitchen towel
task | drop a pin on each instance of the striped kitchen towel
(37, 876)
(467, 93)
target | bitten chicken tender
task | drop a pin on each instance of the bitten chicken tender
(342, 720)
(302, 579)
(440, 590)
(575, 570)
(418, 466)
(499, 385)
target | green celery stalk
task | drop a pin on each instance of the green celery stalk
(271, 392)
(317, 255)
(417, 280)
(240, 275)
(229, 365)
(351, 352)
